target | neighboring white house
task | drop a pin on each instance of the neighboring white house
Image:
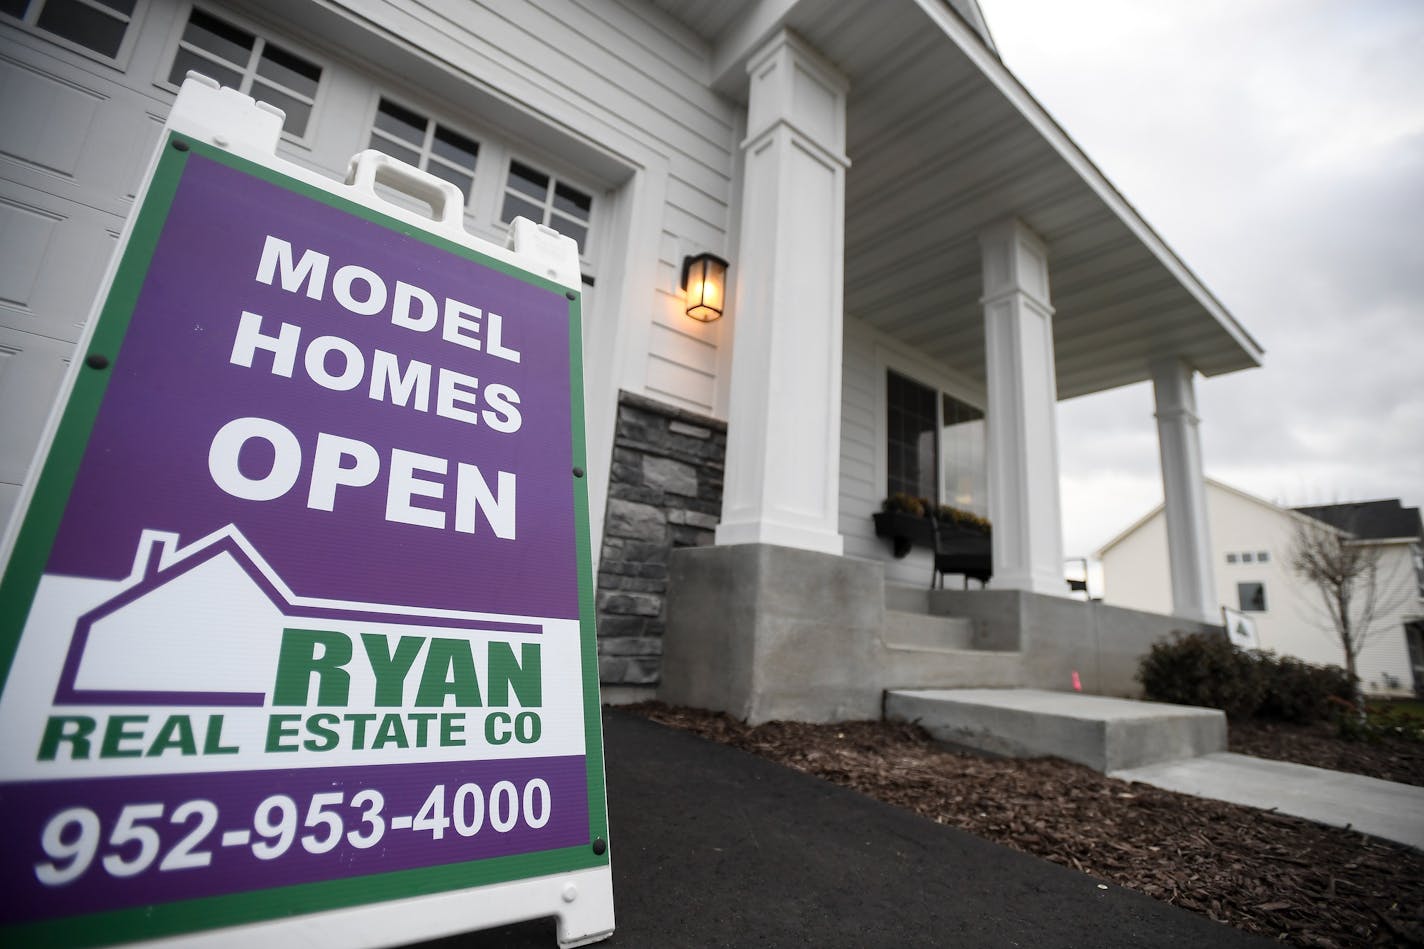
(1251, 542)
(922, 262)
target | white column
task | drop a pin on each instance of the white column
(1188, 538)
(1023, 395)
(783, 428)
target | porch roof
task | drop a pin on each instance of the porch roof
(943, 141)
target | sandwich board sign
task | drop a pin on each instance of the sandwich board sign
(296, 622)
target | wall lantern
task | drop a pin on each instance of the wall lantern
(704, 280)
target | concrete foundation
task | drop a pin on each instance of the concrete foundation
(765, 632)
(1105, 734)
(1058, 636)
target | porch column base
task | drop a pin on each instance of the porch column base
(765, 632)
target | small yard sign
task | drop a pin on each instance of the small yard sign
(1240, 628)
(298, 616)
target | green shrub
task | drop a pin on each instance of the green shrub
(1203, 669)
(1206, 669)
(1297, 691)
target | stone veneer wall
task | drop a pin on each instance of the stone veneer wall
(664, 491)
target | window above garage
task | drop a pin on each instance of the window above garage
(95, 26)
(250, 63)
(498, 182)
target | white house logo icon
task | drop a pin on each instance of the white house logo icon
(202, 626)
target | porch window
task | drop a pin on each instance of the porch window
(935, 445)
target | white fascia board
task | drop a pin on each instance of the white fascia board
(1009, 86)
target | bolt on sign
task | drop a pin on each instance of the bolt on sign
(296, 626)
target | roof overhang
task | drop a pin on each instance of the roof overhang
(945, 141)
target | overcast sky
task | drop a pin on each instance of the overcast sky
(1278, 147)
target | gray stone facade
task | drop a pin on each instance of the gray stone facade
(664, 492)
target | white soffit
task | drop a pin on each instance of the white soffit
(943, 141)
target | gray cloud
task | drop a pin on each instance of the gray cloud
(1278, 147)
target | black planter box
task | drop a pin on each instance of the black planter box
(959, 550)
(904, 530)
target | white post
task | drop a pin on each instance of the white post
(1183, 486)
(1023, 395)
(783, 428)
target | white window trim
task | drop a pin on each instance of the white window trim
(264, 34)
(119, 60)
(892, 358)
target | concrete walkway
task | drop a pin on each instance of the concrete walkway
(1369, 805)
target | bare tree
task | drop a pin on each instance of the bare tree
(1347, 573)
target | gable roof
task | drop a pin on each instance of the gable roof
(1370, 520)
(1211, 483)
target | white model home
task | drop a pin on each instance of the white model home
(1251, 543)
(921, 263)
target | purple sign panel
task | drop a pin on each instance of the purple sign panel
(410, 439)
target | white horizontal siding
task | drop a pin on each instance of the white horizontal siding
(613, 72)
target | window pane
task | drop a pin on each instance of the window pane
(382, 143)
(298, 112)
(122, 6)
(454, 147)
(1262, 557)
(572, 201)
(219, 38)
(187, 59)
(570, 229)
(459, 179)
(517, 207)
(401, 122)
(1252, 597)
(1230, 558)
(962, 445)
(291, 71)
(91, 28)
(912, 445)
(16, 8)
(531, 182)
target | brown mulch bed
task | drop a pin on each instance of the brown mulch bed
(1279, 876)
(1319, 744)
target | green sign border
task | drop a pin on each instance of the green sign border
(41, 523)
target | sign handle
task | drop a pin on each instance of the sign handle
(369, 166)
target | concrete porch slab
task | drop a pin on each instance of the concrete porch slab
(1105, 734)
(1369, 805)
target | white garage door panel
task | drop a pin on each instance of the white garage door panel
(55, 255)
(71, 133)
(31, 370)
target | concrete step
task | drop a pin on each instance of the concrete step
(1104, 734)
(919, 667)
(908, 599)
(906, 630)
